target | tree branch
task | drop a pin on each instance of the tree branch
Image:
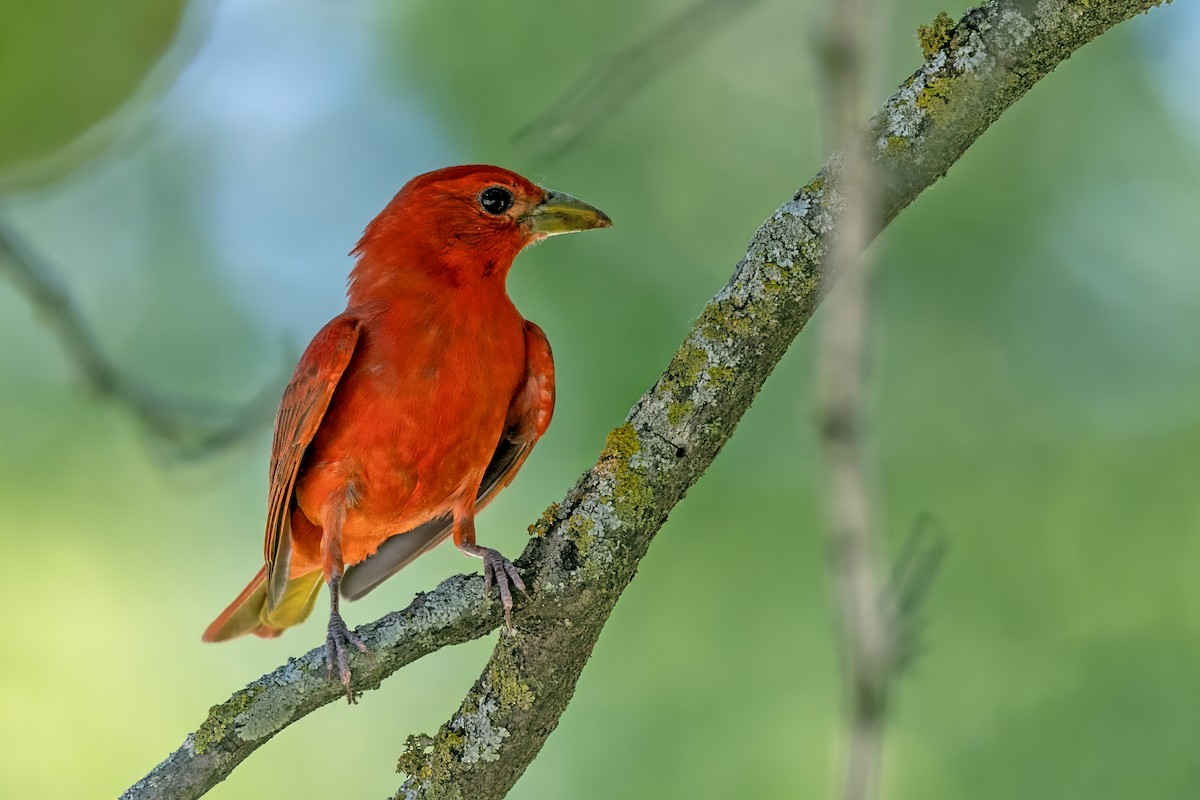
(588, 547)
(453, 613)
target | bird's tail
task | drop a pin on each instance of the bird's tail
(249, 613)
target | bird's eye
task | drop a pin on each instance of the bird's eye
(495, 199)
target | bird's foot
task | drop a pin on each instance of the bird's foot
(499, 569)
(337, 652)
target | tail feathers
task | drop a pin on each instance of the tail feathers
(249, 612)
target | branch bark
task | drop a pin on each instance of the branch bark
(587, 548)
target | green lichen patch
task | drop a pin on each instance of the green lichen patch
(934, 98)
(412, 760)
(684, 369)
(581, 530)
(721, 376)
(813, 187)
(941, 98)
(897, 144)
(546, 521)
(630, 493)
(621, 445)
(221, 717)
(678, 411)
(704, 362)
(935, 35)
(430, 759)
(504, 673)
(719, 321)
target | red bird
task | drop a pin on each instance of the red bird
(409, 411)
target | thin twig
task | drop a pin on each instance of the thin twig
(612, 81)
(188, 427)
(909, 582)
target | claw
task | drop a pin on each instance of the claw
(499, 569)
(337, 651)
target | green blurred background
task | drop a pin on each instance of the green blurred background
(1036, 387)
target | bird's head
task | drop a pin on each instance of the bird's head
(464, 224)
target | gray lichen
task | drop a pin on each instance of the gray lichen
(482, 738)
(954, 52)
(1012, 29)
(270, 711)
(973, 53)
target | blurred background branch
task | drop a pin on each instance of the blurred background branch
(186, 427)
(611, 82)
(853, 542)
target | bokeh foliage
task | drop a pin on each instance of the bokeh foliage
(65, 66)
(1036, 387)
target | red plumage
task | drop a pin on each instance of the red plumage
(410, 410)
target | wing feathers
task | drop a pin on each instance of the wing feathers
(305, 401)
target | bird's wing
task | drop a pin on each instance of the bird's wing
(305, 401)
(528, 417)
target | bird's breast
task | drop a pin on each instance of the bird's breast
(416, 418)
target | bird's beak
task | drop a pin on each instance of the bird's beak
(562, 213)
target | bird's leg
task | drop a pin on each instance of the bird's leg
(338, 637)
(495, 566)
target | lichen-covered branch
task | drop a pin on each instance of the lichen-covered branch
(587, 547)
(188, 427)
(452, 613)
